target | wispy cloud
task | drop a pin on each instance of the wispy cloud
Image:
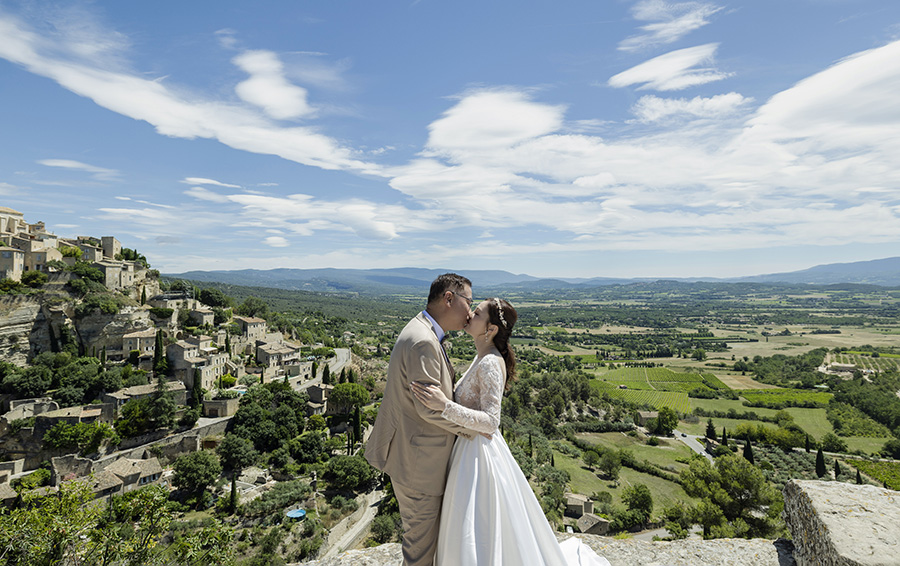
(675, 70)
(173, 111)
(651, 108)
(669, 22)
(204, 181)
(98, 173)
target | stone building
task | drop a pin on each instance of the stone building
(122, 396)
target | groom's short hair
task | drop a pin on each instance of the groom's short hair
(447, 282)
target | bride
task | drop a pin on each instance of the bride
(490, 516)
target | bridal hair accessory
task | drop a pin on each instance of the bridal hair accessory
(500, 311)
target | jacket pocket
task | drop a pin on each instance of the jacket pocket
(428, 440)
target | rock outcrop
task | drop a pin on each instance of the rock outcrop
(839, 524)
(691, 552)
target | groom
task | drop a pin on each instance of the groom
(410, 442)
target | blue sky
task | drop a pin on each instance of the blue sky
(577, 138)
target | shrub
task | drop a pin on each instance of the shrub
(34, 279)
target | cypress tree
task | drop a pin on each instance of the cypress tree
(552, 460)
(351, 377)
(858, 478)
(724, 437)
(326, 375)
(748, 451)
(807, 444)
(710, 430)
(343, 377)
(820, 463)
(228, 344)
(837, 469)
(143, 295)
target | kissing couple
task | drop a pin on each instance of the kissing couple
(463, 499)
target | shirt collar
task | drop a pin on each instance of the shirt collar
(437, 327)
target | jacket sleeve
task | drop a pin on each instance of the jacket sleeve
(424, 365)
(489, 376)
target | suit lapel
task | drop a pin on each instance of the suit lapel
(427, 322)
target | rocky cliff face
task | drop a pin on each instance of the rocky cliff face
(18, 316)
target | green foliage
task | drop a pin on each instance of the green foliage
(831, 443)
(194, 472)
(637, 498)
(253, 306)
(349, 472)
(820, 463)
(84, 270)
(850, 421)
(11, 286)
(236, 453)
(888, 473)
(666, 421)
(34, 480)
(34, 279)
(347, 396)
(737, 498)
(105, 303)
(781, 398)
(269, 415)
(129, 254)
(281, 496)
(82, 437)
(214, 297)
(71, 251)
(162, 313)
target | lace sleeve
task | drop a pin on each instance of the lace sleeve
(489, 386)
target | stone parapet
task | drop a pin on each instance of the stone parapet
(690, 552)
(839, 524)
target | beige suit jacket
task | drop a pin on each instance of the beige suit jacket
(410, 442)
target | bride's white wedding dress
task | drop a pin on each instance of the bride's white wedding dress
(490, 516)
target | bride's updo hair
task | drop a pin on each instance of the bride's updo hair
(503, 315)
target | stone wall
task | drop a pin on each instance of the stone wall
(839, 524)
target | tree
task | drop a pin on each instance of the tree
(34, 278)
(235, 453)
(349, 472)
(143, 295)
(194, 472)
(326, 375)
(858, 478)
(820, 463)
(832, 443)
(347, 396)
(213, 297)
(162, 406)
(724, 437)
(590, 458)
(253, 306)
(666, 421)
(710, 430)
(610, 464)
(748, 451)
(837, 469)
(638, 498)
(737, 498)
(160, 363)
(699, 354)
(807, 444)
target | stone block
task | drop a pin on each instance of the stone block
(839, 524)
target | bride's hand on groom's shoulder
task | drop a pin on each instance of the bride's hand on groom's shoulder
(429, 395)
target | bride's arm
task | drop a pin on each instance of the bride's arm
(486, 421)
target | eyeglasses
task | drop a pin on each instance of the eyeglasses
(468, 300)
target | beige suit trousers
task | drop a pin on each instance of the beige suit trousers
(421, 515)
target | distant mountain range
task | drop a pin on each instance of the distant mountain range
(883, 272)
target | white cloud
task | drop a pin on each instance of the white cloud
(654, 109)
(99, 173)
(172, 110)
(204, 181)
(276, 242)
(207, 195)
(675, 70)
(268, 88)
(670, 22)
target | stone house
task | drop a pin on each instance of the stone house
(37, 254)
(104, 413)
(135, 473)
(252, 328)
(202, 317)
(122, 396)
(144, 341)
(12, 221)
(593, 524)
(196, 358)
(111, 247)
(644, 416)
(214, 408)
(12, 263)
(318, 400)
(577, 505)
(276, 354)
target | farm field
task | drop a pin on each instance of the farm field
(666, 455)
(863, 360)
(586, 482)
(730, 424)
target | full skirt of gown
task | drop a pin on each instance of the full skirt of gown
(490, 516)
